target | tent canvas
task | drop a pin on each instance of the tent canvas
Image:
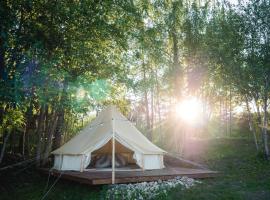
(109, 125)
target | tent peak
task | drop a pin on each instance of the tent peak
(112, 112)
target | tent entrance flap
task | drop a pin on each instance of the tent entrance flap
(102, 157)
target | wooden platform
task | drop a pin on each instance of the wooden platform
(104, 177)
(174, 167)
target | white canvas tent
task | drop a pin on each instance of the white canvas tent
(110, 129)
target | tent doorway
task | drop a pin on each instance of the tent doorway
(101, 159)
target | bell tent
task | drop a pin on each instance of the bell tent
(110, 134)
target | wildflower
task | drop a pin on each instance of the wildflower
(148, 190)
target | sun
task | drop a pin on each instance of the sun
(189, 110)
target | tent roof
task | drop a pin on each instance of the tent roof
(100, 131)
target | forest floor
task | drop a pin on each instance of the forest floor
(244, 176)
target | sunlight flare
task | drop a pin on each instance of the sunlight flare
(189, 110)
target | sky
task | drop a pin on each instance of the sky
(233, 1)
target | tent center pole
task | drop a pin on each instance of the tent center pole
(113, 153)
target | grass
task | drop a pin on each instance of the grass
(244, 176)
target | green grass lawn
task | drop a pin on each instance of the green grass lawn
(244, 175)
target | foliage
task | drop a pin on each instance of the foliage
(49, 53)
(13, 119)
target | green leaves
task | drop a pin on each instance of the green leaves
(13, 119)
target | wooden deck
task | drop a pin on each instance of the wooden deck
(104, 177)
(174, 167)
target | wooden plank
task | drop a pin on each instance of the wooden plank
(148, 178)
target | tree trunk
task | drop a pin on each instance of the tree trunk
(50, 135)
(152, 112)
(12, 141)
(28, 144)
(40, 129)
(226, 114)
(220, 115)
(259, 117)
(59, 129)
(23, 143)
(61, 117)
(158, 103)
(265, 135)
(4, 146)
(148, 125)
(230, 110)
(251, 124)
(28, 128)
(176, 64)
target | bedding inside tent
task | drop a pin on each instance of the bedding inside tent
(102, 157)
